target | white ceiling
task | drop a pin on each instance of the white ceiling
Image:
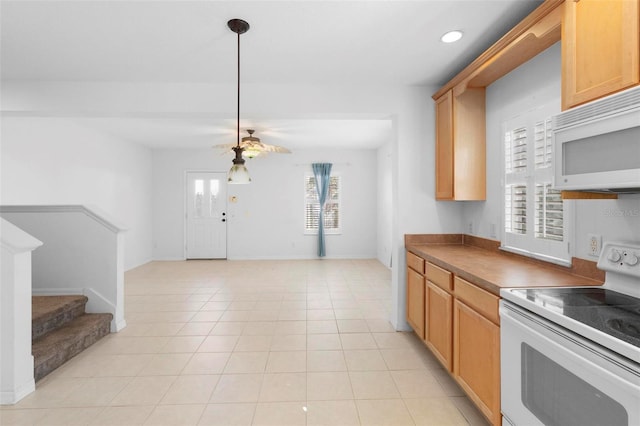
(290, 42)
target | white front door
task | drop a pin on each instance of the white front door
(206, 215)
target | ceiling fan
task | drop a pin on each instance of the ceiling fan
(252, 146)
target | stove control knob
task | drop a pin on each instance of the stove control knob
(615, 256)
(631, 259)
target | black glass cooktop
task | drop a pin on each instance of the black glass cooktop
(613, 313)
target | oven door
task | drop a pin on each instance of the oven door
(551, 376)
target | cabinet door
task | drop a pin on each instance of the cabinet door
(439, 324)
(600, 49)
(469, 145)
(444, 147)
(476, 359)
(415, 301)
(460, 145)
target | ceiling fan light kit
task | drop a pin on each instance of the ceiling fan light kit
(251, 145)
(238, 173)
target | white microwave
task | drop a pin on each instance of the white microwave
(597, 145)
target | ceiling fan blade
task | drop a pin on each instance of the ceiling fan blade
(253, 144)
(224, 145)
(275, 148)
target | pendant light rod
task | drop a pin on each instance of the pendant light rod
(238, 173)
(238, 98)
(238, 26)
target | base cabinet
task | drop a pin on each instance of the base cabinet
(439, 306)
(415, 301)
(459, 323)
(476, 359)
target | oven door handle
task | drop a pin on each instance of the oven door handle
(554, 334)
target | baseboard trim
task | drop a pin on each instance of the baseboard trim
(13, 397)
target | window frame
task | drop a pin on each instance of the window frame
(549, 250)
(327, 231)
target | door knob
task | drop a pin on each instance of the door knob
(224, 220)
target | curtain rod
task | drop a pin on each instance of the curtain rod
(309, 164)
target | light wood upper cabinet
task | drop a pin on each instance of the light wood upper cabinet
(444, 147)
(460, 145)
(600, 49)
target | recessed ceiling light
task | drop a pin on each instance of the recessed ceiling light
(451, 36)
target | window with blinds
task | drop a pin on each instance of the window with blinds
(331, 208)
(534, 213)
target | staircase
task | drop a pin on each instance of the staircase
(61, 329)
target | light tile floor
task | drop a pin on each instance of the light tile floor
(252, 343)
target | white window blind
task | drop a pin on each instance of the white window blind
(332, 222)
(549, 212)
(543, 148)
(535, 222)
(516, 149)
(515, 202)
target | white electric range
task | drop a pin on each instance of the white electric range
(571, 355)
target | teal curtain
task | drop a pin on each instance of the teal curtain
(322, 173)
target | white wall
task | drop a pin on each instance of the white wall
(267, 221)
(533, 84)
(56, 161)
(614, 220)
(82, 253)
(415, 210)
(385, 203)
(411, 109)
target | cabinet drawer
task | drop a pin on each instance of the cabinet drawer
(480, 300)
(438, 276)
(415, 262)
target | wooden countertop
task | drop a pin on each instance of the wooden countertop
(493, 270)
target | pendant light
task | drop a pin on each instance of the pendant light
(238, 173)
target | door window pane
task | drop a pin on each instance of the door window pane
(214, 190)
(199, 195)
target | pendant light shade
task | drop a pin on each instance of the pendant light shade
(238, 173)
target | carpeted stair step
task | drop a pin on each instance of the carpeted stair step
(51, 312)
(56, 347)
